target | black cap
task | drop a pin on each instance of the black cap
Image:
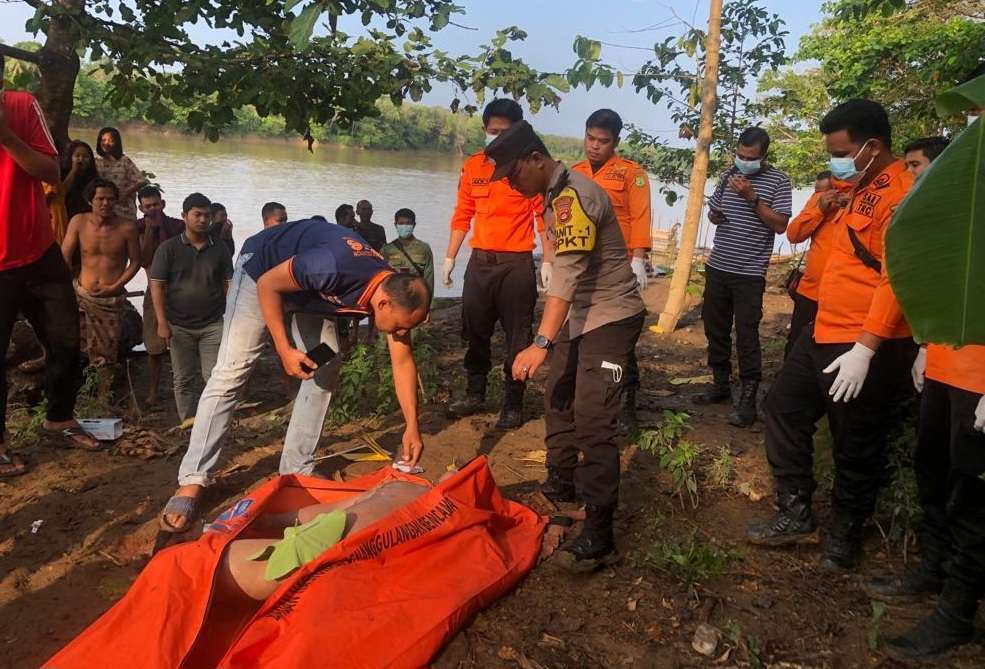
(510, 145)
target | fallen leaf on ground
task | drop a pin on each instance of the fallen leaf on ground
(746, 489)
(681, 380)
(508, 653)
(540, 457)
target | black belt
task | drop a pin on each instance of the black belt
(501, 257)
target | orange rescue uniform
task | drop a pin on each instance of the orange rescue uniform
(628, 187)
(504, 219)
(962, 368)
(811, 223)
(853, 297)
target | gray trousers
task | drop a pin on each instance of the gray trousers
(193, 352)
(243, 339)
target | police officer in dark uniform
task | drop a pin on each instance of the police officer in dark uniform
(593, 316)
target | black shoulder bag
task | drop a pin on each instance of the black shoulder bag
(863, 253)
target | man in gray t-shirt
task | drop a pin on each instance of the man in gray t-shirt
(189, 276)
(750, 206)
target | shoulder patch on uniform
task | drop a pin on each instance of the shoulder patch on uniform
(639, 181)
(881, 181)
(574, 230)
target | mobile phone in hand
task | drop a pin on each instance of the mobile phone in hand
(320, 355)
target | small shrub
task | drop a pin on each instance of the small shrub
(677, 456)
(690, 559)
(675, 425)
(721, 470)
(91, 402)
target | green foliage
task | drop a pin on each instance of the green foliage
(677, 456)
(938, 271)
(691, 559)
(900, 501)
(280, 58)
(365, 385)
(872, 634)
(27, 432)
(752, 42)
(901, 57)
(90, 401)
(19, 74)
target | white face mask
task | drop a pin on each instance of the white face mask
(490, 138)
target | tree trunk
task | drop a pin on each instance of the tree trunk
(699, 175)
(58, 61)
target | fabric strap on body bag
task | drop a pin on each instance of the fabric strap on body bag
(863, 254)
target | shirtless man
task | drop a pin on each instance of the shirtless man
(110, 249)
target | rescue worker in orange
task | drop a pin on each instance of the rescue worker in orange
(949, 463)
(852, 364)
(500, 280)
(814, 222)
(628, 188)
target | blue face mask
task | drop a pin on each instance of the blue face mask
(490, 138)
(844, 167)
(405, 231)
(748, 166)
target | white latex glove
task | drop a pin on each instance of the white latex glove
(919, 369)
(980, 415)
(449, 268)
(546, 272)
(852, 368)
(639, 269)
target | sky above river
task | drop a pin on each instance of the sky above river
(552, 25)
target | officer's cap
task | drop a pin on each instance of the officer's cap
(513, 143)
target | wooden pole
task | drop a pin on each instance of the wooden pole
(699, 175)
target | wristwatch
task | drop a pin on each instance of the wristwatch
(540, 341)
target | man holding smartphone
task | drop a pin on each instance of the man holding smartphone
(750, 206)
(315, 273)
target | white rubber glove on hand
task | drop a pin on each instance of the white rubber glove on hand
(546, 272)
(919, 369)
(852, 368)
(449, 268)
(980, 415)
(639, 269)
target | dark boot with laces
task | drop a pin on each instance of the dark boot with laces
(843, 545)
(472, 403)
(745, 411)
(915, 584)
(595, 546)
(793, 522)
(949, 626)
(511, 416)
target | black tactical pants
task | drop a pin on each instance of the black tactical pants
(733, 297)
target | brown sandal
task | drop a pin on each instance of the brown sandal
(75, 437)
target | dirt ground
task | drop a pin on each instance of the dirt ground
(96, 527)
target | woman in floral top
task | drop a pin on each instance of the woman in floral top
(114, 165)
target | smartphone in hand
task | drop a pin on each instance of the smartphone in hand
(320, 355)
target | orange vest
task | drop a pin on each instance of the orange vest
(811, 224)
(389, 596)
(504, 219)
(962, 368)
(853, 297)
(628, 187)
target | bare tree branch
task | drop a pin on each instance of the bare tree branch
(20, 54)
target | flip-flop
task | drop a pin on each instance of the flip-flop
(179, 505)
(11, 465)
(70, 438)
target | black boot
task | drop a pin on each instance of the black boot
(559, 486)
(949, 626)
(745, 412)
(595, 546)
(793, 522)
(843, 545)
(627, 414)
(720, 390)
(475, 397)
(511, 416)
(913, 585)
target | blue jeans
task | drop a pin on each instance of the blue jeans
(243, 339)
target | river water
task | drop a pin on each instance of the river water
(243, 174)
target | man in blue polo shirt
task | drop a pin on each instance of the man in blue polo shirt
(315, 273)
(750, 206)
